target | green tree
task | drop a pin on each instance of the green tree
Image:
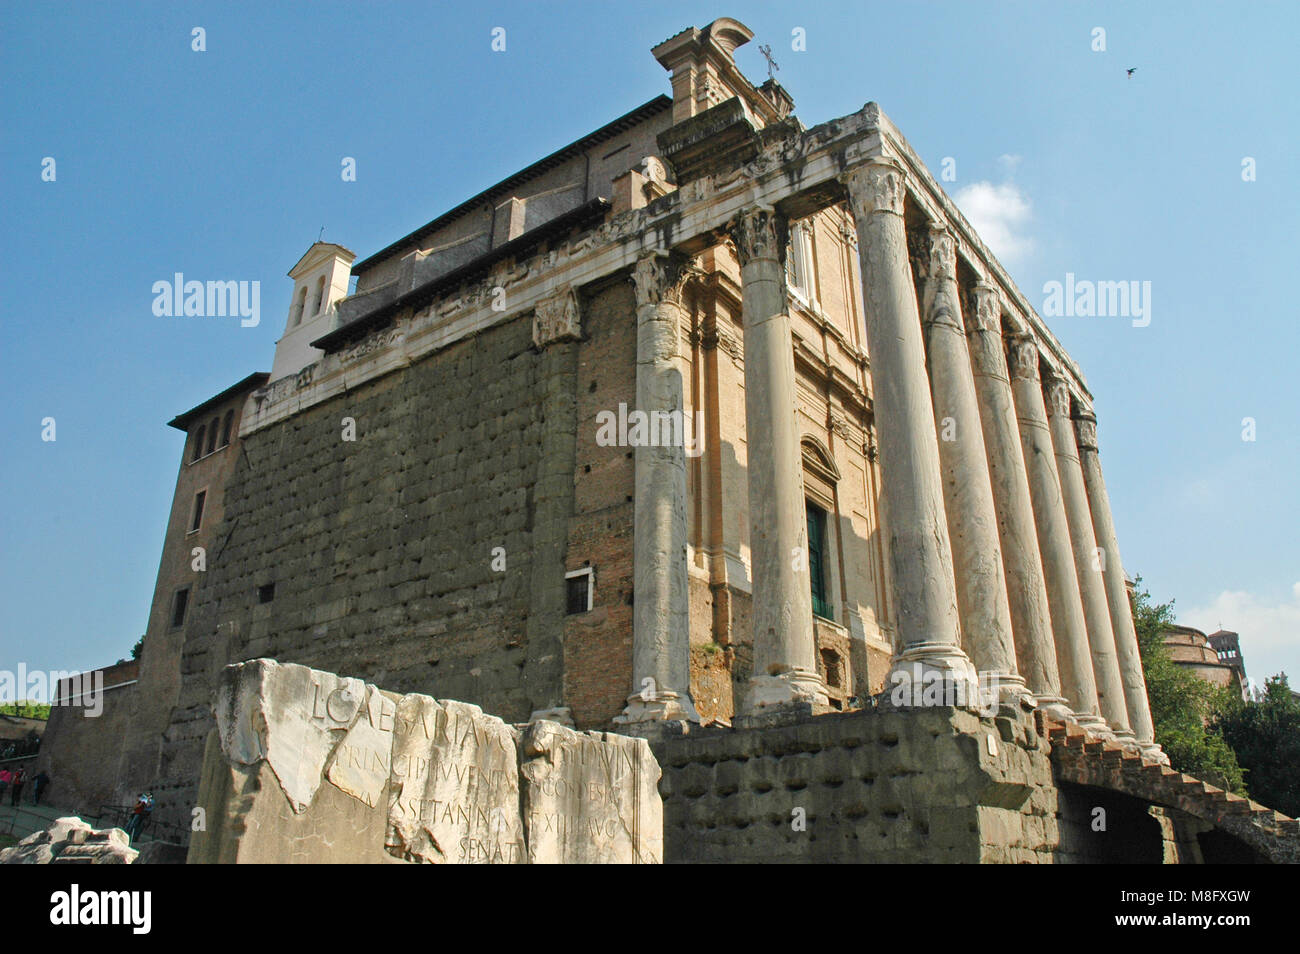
(1183, 706)
(138, 648)
(1265, 734)
(26, 709)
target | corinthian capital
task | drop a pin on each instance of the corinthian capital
(1085, 432)
(1056, 392)
(875, 186)
(987, 313)
(660, 276)
(943, 254)
(1022, 358)
(759, 232)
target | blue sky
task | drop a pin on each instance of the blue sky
(225, 164)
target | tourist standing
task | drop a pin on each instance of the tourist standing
(5, 777)
(39, 784)
(139, 814)
(18, 781)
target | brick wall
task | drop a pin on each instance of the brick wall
(380, 549)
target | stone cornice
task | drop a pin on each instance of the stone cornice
(796, 172)
(940, 208)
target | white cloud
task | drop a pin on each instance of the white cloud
(1000, 214)
(1009, 162)
(1270, 631)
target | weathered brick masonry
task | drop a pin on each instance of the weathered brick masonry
(380, 549)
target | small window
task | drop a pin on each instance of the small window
(320, 296)
(198, 443)
(299, 304)
(212, 434)
(817, 561)
(179, 606)
(225, 429)
(266, 592)
(578, 591)
(834, 671)
(198, 510)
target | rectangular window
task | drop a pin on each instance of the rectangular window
(179, 606)
(817, 561)
(578, 591)
(266, 592)
(198, 510)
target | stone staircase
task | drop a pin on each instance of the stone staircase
(1082, 758)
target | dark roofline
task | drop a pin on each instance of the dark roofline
(255, 380)
(608, 131)
(585, 214)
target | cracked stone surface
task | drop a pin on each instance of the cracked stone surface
(308, 766)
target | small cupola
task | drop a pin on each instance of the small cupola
(320, 281)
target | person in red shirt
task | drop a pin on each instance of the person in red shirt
(18, 781)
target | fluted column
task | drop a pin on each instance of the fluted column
(1069, 631)
(1031, 622)
(968, 495)
(1121, 615)
(661, 650)
(912, 516)
(785, 650)
(1096, 614)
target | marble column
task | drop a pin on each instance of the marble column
(1121, 614)
(785, 649)
(1031, 621)
(912, 517)
(1096, 614)
(968, 495)
(661, 651)
(1069, 629)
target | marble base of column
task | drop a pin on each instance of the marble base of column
(664, 706)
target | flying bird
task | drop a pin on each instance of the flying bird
(1131, 72)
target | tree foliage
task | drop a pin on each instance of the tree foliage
(1184, 708)
(26, 709)
(1265, 733)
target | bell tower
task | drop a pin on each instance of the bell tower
(320, 281)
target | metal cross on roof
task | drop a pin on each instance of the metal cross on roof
(771, 63)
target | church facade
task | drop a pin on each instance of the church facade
(706, 418)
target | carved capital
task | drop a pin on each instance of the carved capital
(1022, 359)
(1056, 392)
(556, 318)
(987, 313)
(759, 232)
(1085, 432)
(661, 276)
(875, 186)
(943, 254)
